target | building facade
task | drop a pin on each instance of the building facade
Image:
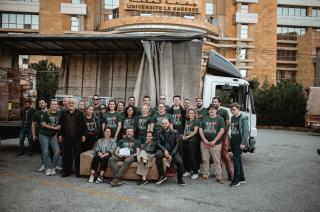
(267, 40)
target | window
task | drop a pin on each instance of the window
(292, 11)
(111, 4)
(286, 55)
(243, 54)
(244, 31)
(19, 21)
(293, 76)
(316, 12)
(76, 1)
(75, 25)
(209, 8)
(280, 75)
(244, 8)
(290, 33)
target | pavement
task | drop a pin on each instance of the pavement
(282, 175)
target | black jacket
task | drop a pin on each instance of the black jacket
(81, 127)
(169, 142)
(26, 117)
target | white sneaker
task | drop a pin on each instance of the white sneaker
(48, 172)
(194, 176)
(58, 168)
(91, 179)
(41, 169)
(53, 171)
(186, 174)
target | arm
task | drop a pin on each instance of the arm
(33, 130)
(245, 132)
(116, 152)
(203, 138)
(135, 154)
(45, 125)
(220, 134)
(151, 126)
(118, 130)
(194, 132)
(177, 143)
(159, 146)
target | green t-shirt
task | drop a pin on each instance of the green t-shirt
(202, 112)
(37, 117)
(51, 119)
(211, 127)
(178, 120)
(157, 119)
(111, 120)
(189, 128)
(133, 145)
(143, 123)
(129, 122)
(235, 132)
(224, 114)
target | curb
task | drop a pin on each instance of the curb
(299, 129)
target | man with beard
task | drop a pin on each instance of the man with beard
(201, 111)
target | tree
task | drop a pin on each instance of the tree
(47, 77)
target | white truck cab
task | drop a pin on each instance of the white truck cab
(223, 80)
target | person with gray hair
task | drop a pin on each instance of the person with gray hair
(73, 129)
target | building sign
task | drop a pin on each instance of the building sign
(183, 6)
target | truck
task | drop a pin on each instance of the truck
(312, 118)
(224, 80)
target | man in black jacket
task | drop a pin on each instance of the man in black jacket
(72, 133)
(25, 130)
(168, 147)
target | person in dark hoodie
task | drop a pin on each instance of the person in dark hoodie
(168, 147)
(93, 129)
(239, 142)
(73, 128)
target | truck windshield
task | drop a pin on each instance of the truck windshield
(232, 94)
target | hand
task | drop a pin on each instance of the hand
(166, 153)
(35, 138)
(83, 138)
(184, 137)
(60, 139)
(242, 146)
(212, 143)
(206, 142)
(169, 158)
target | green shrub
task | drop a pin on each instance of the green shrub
(283, 104)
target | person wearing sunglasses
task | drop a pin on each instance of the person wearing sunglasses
(96, 102)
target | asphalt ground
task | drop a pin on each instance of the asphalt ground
(282, 175)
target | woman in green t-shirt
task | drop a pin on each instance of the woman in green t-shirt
(129, 120)
(112, 119)
(143, 124)
(190, 142)
(48, 136)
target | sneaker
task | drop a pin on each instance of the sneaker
(220, 181)
(205, 177)
(48, 172)
(99, 180)
(181, 183)
(114, 182)
(194, 176)
(91, 179)
(230, 178)
(142, 182)
(41, 169)
(234, 184)
(186, 174)
(242, 181)
(161, 180)
(59, 168)
(53, 171)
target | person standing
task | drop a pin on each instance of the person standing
(48, 136)
(93, 129)
(113, 120)
(72, 133)
(186, 107)
(102, 152)
(216, 101)
(36, 126)
(132, 102)
(147, 101)
(211, 131)
(127, 151)
(162, 100)
(25, 130)
(82, 107)
(168, 147)
(156, 119)
(191, 143)
(143, 124)
(178, 115)
(201, 111)
(240, 135)
(129, 120)
(96, 103)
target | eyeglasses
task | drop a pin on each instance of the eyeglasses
(162, 98)
(103, 108)
(95, 99)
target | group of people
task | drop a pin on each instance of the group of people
(182, 137)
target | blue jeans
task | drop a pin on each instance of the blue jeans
(238, 170)
(45, 141)
(25, 132)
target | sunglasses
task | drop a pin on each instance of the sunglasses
(102, 108)
(95, 99)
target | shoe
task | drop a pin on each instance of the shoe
(234, 184)
(142, 182)
(230, 178)
(242, 181)
(78, 174)
(318, 151)
(65, 175)
(58, 168)
(114, 182)
(20, 154)
(161, 180)
(91, 179)
(220, 181)
(41, 169)
(99, 180)
(53, 171)
(194, 176)
(121, 182)
(186, 174)
(181, 183)
(48, 172)
(205, 177)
